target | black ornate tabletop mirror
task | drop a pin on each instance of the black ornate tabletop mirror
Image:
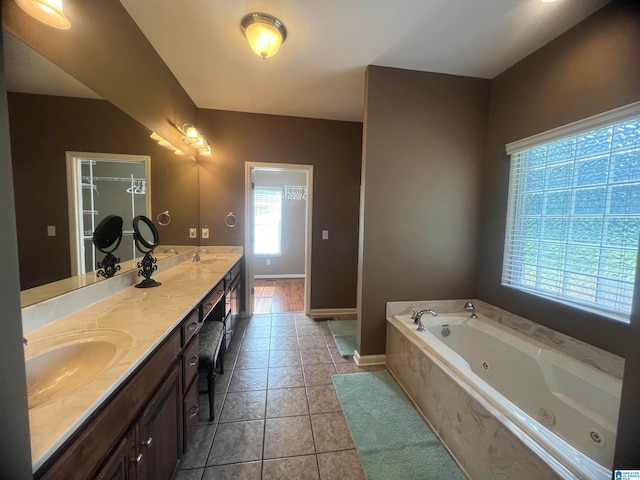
(107, 238)
(145, 234)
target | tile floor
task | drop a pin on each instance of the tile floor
(277, 412)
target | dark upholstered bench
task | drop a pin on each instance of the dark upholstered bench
(212, 343)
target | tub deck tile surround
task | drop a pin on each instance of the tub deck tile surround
(146, 316)
(592, 356)
(482, 446)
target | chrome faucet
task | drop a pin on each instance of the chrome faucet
(171, 250)
(196, 256)
(417, 316)
(468, 307)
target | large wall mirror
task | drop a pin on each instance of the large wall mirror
(50, 114)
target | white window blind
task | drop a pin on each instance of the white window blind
(267, 220)
(573, 217)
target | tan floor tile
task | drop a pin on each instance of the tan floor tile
(284, 343)
(258, 332)
(255, 343)
(240, 406)
(284, 358)
(312, 341)
(285, 377)
(237, 471)
(252, 359)
(193, 474)
(330, 432)
(237, 442)
(323, 399)
(340, 465)
(299, 468)
(349, 368)
(245, 380)
(306, 330)
(287, 437)
(318, 374)
(287, 402)
(315, 356)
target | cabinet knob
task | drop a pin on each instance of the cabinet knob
(192, 326)
(148, 442)
(137, 459)
(195, 409)
(193, 360)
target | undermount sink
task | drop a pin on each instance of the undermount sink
(59, 365)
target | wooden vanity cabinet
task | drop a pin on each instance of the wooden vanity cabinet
(123, 462)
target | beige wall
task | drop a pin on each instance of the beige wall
(592, 68)
(424, 142)
(334, 150)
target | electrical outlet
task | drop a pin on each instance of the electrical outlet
(193, 233)
(268, 261)
(325, 234)
(205, 232)
(51, 230)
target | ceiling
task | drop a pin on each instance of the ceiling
(319, 70)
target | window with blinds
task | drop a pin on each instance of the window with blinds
(267, 220)
(573, 218)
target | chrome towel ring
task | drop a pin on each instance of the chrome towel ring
(230, 220)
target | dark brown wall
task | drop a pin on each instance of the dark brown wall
(592, 68)
(107, 52)
(334, 150)
(423, 149)
(43, 128)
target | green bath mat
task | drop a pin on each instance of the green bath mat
(344, 334)
(390, 436)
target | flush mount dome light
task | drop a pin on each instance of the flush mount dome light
(265, 33)
(47, 11)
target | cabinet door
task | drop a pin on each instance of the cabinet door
(160, 430)
(123, 462)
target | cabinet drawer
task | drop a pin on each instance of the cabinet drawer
(211, 300)
(190, 364)
(191, 410)
(189, 326)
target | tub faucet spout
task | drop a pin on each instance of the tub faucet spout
(468, 307)
(417, 317)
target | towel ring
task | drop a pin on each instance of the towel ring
(164, 218)
(230, 220)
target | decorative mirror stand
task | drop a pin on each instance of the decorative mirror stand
(107, 239)
(145, 234)
(147, 266)
(110, 266)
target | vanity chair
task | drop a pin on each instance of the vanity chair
(212, 345)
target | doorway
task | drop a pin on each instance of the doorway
(99, 185)
(278, 199)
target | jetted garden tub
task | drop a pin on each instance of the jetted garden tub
(504, 404)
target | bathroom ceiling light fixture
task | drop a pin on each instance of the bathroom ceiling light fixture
(264, 32)
(49, 12)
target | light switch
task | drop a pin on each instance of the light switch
(325, 234)
(205, 232)
(51, 230)
(193, 232)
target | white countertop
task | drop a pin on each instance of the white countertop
(145, 316)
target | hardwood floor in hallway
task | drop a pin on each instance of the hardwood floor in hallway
(278, 296)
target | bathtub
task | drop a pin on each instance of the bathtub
(563, 410)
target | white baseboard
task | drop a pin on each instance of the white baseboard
(369, 360)
(330, 312)
(279, 276)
